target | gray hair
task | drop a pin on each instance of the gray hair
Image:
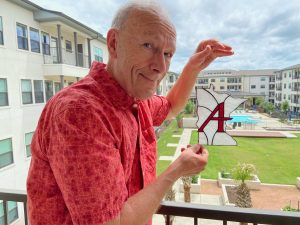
(151, 6)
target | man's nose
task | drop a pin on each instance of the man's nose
(158, 63)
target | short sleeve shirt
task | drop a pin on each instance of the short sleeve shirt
(93, 148)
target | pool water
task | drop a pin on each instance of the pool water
(243, 119)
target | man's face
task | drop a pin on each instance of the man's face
(144, 50)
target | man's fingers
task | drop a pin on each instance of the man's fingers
(197, 148)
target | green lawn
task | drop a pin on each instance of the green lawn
(166, 137)
(277, 160)
(163, 150)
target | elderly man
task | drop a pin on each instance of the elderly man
(94, 150)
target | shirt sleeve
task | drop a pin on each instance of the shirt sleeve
(87, 166)
(159, 107)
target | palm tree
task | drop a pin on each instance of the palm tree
(187, 181)
(243, 172)
(170, 196)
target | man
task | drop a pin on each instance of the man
(94, 150)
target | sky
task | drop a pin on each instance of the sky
(264, 34)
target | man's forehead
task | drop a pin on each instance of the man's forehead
(143, 19)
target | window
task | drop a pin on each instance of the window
(222, 79)
(6, 152)
(26, 91)
(262, 86)
(45, 43)
(22, 36)
(12, 212)
(1, 32)
(212, 80)
(48, 89)
(34, 40)
(284, 85)
(38, 91)
(221, 87)
(171, 79)
(57, 87)
(262, 79)
(290, 86)
(28, 138)
(68, 46)
(3, 92)
(253, 86)
(98, 54)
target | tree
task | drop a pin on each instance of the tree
(259, 101)
(170, 196)
(187, 182)
(179, 118)
(285, 106)
(189, 107)
(270, 108)
(243, 172)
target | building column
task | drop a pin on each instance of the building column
(59, 47)
(89, 52)
(76, 48)
(61, 82)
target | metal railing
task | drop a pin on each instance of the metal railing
(196, 211)
(68, 57)
(15, 196)
(226, 214)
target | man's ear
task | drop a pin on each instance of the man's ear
(111, 40)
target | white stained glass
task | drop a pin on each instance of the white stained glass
(26, 86)
(5, 146)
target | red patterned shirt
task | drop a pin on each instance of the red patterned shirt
(93, 148)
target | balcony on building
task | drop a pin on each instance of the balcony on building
(66, 45)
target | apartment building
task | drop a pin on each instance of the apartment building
(167, 83)
(241, 83)
(288, 87)
(41, 51)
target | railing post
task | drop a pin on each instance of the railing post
(168, 220)
(25, 213)
(5, 212)
(195, 221)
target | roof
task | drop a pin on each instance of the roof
(297, 66)
(235, 73)
(44, 15)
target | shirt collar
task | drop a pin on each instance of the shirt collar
(110, 87)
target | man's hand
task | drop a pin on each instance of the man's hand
(192, 160)
(206, 52)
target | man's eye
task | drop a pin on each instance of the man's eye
(147, 45)
(168, 54)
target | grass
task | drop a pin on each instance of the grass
(165, 138)
(162, 165)
(277, 160)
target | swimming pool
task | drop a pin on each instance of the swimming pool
(244, 119)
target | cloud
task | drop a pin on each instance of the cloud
(263, 33)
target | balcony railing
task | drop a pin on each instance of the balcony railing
(226, 214)
(68, 57)
(196, 211)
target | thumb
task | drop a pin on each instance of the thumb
(197, 148)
